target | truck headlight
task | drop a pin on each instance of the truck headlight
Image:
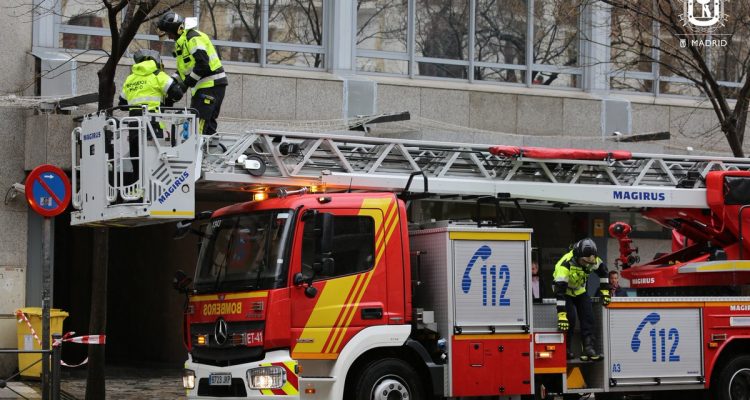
(188, 379)
(266, 378)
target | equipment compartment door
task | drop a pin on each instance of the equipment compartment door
(655, 343)
(490, 365)
(489, 283)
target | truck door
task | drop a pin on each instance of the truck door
(350, 282)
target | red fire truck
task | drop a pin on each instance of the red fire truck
(373, 308)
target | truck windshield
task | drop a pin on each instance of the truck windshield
(247, 251)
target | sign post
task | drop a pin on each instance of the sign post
(48, 193)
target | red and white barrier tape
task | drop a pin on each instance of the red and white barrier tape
(22, 318)
(68, 337)
(86, 339)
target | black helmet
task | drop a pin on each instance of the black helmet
(170, 22)
(584, 248)
(142, 55)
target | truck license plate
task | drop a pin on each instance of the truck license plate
(220, 379)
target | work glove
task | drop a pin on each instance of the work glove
(606, 298)
(562, 321)
(180, 82)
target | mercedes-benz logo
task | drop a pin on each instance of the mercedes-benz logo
(220, 331)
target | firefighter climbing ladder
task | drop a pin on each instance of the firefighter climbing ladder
(260, 160)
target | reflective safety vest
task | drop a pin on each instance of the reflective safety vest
(146, 85)
(567, 270)
(190, 42)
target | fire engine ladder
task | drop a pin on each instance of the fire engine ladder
(259, 160)
(262, 160)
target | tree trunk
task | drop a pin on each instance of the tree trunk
(731, 132)
(107, 84)
(95, 382)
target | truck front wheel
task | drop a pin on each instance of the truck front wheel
(734, 380)
(388, 379)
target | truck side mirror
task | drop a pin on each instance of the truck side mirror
(299, 279)
(186, 226)
(181, 282)
(183, 228)
(310, 290)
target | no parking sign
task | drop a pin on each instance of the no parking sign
(48, 190)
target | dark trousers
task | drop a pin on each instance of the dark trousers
(208, 104)
(580, 306)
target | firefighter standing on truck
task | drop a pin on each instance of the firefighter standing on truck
(571, 275)
(198, 67)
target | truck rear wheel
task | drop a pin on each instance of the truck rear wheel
(734, 380)
(388, 379)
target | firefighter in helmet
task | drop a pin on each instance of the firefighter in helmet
(571, 275)
(147, 85)
(198, 68)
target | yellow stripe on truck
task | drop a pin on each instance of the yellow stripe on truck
(374, 208)
(324, 315)
(490, 235)
(288, 388)
(229, 296)
(168, 213)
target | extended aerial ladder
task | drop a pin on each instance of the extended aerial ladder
(670, 189)
(173, 168)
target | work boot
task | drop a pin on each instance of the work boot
(589, 350)
(569, 351)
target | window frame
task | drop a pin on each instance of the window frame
(307, 226)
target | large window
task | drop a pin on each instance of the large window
(487, 40)
(442, 38)
(556, 43)
(500, 41)
(651, 56)
(84, 23)
(533, 43)
(382, 27)
(276, 32)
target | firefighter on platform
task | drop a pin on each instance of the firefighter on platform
(147, 85)
(571, 275)
(198, 67)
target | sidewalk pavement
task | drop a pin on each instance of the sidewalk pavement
(121, 383)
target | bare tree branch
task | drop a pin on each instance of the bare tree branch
(631, 37)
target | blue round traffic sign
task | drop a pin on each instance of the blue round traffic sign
(48, 190)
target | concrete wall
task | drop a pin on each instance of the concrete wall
(493, 113)
(17, 67)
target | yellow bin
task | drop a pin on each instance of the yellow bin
(26, 340)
